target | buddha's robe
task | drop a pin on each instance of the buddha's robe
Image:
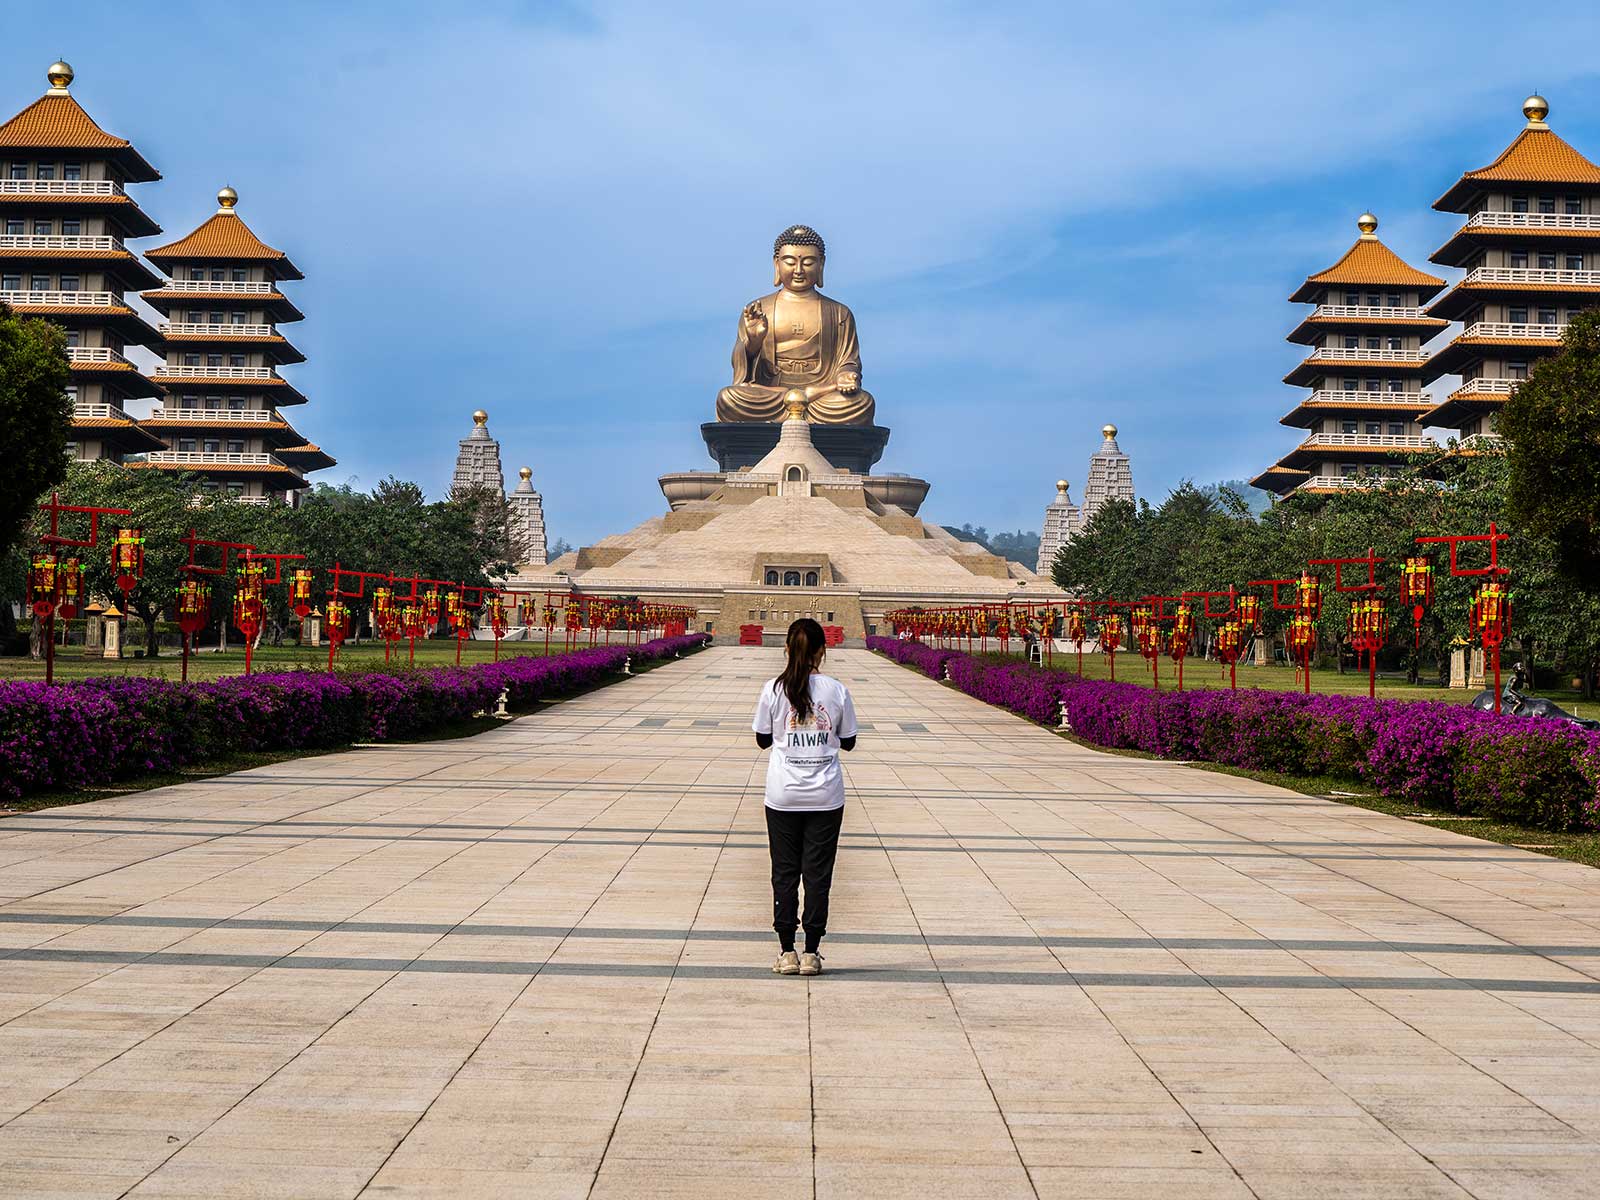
(811, 363)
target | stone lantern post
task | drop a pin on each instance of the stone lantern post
(314, 627)
(112, 626)
(93, 622)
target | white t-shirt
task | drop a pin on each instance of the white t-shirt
(803, 771)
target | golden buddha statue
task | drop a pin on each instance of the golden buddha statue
(796, 338)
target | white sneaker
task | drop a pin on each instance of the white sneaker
(811, 964)
(788, 964)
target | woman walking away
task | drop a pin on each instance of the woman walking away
(806, 718)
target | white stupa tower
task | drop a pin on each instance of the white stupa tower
(525, 522)
(1110, 476)
(478, 460)
(1060, 527)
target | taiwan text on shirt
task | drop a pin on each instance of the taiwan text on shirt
(803, 772)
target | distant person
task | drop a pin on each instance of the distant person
(810, 717)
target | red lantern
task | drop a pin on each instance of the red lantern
(194, 606)
(1491, 613)
(1230, 643)
(300, 592)
(1308, 596)
(127, 558)
(1302, 638)
(1416, 587)
(338, 622)
(1250, 614)
(43, 584)
(249, 604)
(1369, 623)
(69, 576)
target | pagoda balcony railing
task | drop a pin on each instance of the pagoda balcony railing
(1370, 312)
(57, 241)
(1366, 480)
(1532, 275)
(190, 329)
(208, 415)
(239, 288)
(261, 500)
(1486, 386)
(63, 299)
(1487, 441)
(1408, 401)
(1502, 329)
(60, 187)
(95, 354)
(1505, 220)
(1399, 441)
(172, 372)
(1358, 354)
(84, 411)
(216, 458)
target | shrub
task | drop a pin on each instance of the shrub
(1519, 769)
(98, 730)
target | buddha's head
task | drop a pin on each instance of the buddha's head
(797, 259)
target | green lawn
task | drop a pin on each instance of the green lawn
(209, 664)
(1197, 673)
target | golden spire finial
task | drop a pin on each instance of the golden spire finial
(60, 76)
(1537, 109)
(1108, 431)
(1368, 224)
(525, 473)
(479, 417)
(226, 199)
(794, 401)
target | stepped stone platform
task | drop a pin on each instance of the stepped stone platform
(533, 963)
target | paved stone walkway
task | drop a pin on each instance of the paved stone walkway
(534, 965)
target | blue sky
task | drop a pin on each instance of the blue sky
(1044, 218)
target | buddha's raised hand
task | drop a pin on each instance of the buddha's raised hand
(755, 324)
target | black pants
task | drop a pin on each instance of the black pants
(803, 845)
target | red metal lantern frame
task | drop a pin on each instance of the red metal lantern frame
(1492, 539)
(53, 542)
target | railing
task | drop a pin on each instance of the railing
(1406, 441)
(249, 499)
(95, 354)
(1342, 481)
(171, 372)
(60, 187)
(1357, 354)
(243, 415)
(1369, 312)
(1406, 401)
(190, 329)
(1485, 386)
(1501, 329)
(1505, 220)
(217, 285)
(63, 299)
(1532, 275)
(57, 241)
(214, 458)
(83, 411)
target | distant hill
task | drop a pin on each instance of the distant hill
(1020, 547)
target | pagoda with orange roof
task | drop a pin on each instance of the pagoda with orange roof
(64, 216)
(1365, 369)
(1531, 250)
(221, 419)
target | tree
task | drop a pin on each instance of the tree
(35, 417)
(1553, 425)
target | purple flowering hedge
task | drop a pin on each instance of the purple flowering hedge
(1439, 756)
(97, 730)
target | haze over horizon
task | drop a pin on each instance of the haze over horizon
(556, 212)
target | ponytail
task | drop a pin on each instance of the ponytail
(803, 644)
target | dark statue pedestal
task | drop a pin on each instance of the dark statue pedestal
(740, 444)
